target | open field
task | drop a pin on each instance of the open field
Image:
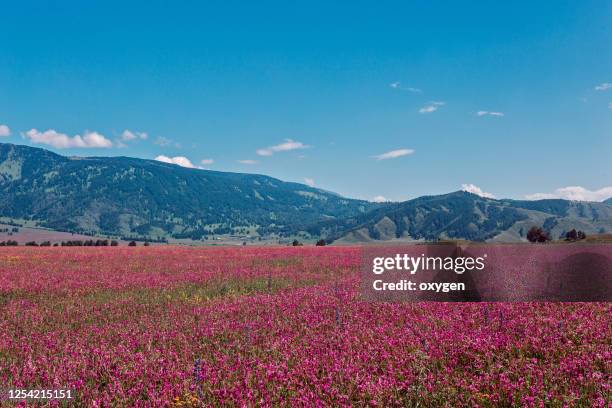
(28, 231)
(271, 326)
(28, 234)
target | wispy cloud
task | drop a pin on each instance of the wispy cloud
(62, 141)
(128, 135)
(400, 87)
(489, 113)
(286, 146)
(431, 107)
(610, 105)
(577, 193)
(309, 182)
(164, 141)
(471, 188)
(248, 161)
(207, 161)
(4, 131)
(380, 199)
(394, 154)
(603, 86)
(178, 160)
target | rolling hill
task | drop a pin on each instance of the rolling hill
(462, 215)
(127, 196)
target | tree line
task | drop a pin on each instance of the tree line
(538, 234)
(72, 243)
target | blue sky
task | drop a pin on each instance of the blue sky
(368, 99)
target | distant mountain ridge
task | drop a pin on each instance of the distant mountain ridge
(136, 197)
(128, 196)
(463, 215)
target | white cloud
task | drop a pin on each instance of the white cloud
(95, 139)
(487, 113)
(62, 141)
(248, 161)
(431, 107)
(610, 105)
(4, 131)
(128, 135)
(393, 154)
(380, 199)
(309, 182)
(471, 188)
(287, 145)
(576, 193)
(604, 86)
(178, 160)
(207, 161)
(398, 85)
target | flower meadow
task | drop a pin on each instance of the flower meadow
(278, 326)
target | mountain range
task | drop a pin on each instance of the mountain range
(126, 196)
(463, 215)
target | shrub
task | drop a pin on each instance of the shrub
(537, 234)
(574, 235)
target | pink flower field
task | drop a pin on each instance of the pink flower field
(278, 326)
